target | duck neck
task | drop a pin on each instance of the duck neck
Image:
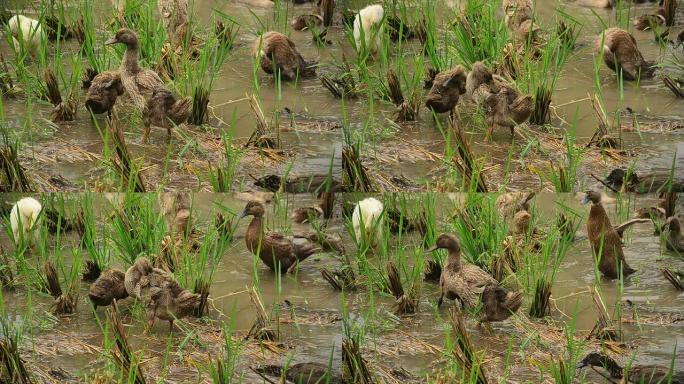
(256, 225)
(613, 367)
(454, 260)
(130, 59)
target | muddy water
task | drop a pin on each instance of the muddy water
(650, 99)
(649, 295)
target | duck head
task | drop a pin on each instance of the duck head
(593, 197)
(673, 224)
(253, 208)
(124, 36)
(594, 359)
(446, 241)
(481, 73)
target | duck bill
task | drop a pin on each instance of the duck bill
(580, 365)
(585, 200)
(243, 215)
(432, 249)
(111, 41)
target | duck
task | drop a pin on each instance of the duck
(464, 282)
(604, 238)
(138, 82)
(107, 288)
(507, 108)
(508, 204)
(174, 14)
(25, 220)
(277, 251)
(141, 277)
(642, 374)
(447, 87)
(648, 21)
(104, 89)
(482, 82)
(367, 220)
(305, 214)
(675, 240)
(303, 373)
(278, 54)
(368, 29)
(620, 53)
(606, 4)
(164, 110)
(498, 303)
(175, 208)
(169, 302)
(306, 21)
(519, 19)
(29, 31)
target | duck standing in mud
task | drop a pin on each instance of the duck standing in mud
(605, 240)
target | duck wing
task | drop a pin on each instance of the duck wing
(475, 277)
(180, 110)
(620, 229)
(455, 287)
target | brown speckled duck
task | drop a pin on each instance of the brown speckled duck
(174, 14)
(507, 108)
(620, 52)
(164, 110)
(481, 82)
(168, 302)
(648, 21)
(303, 373)
(604, 238)
(277, 53)
(141, 277)
(519, 20)
(459, 281)
(137, 81)
(104, 89)
(643, 374)
(447, 87)
(675, 240)
(274, 248)
(107, 287)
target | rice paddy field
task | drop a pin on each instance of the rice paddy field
(418, 191)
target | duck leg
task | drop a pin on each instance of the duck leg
(440, 300)
(146, 134)
(150, 324)
(171, 325)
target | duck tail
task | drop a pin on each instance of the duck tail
(514, 301)
(180, 110)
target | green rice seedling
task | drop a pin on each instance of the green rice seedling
(261, 328)
(223, 368)
(480, 229)
(605, 328)
(354, 174)
(7, 278)
(98, 251)
(223, 177)
(128, 362)
(479, 34)
(129, 171)
(354, 366)
(13, 177)
(136, 228)
(97, 59)
(539, 270)
(564, 176)
(12, 366)
(65, 300)
(463, 351)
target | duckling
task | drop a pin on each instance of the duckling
(302, 22)
(174, 14)
(447, 87)
(512, 202)
(368, 24)
(137, 82)
(278, 54)
(169, 302)
(519, 15)
(29, 31)
(643, 374)
(498, 303)
(368, 217)
(620, 52)
(605, 238)
(25, 216)
(648, 21)
(675, 240)
(303, 373)
(109, 286)
(462, 282)
(104, 89)
(276, 250)
(164, 110)
(507, 109)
